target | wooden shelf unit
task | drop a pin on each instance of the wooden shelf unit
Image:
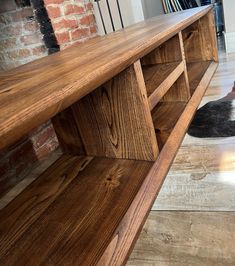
(120, 113)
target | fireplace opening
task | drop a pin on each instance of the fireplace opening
(23, 3)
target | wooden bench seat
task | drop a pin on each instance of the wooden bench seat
(120, 105)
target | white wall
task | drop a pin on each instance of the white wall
(132, 12)
(229, 19)
(229, 15)
(152, 8)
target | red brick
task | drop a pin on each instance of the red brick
(22, 14)
(48, 2)
(62, 37)
(19, 54)
(8, 43)
(53, 11)
(44, 136)
(89, 6)
(79, 33)
(44, 150)
(31, 39)
(31, 26)
(12, 30)
(87, 20)
(93, 29)
(65, 24)
(39, 50)
(73, 9)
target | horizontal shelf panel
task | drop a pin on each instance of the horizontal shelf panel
(159, 78)
(68, 216)
(166, 114)
(196, 71)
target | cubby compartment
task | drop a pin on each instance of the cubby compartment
(168, 111)
(161, 68)
(200, 49)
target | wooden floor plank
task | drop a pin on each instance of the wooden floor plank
(186, 238)
(78, 226)
(205, 158)
(197, 191)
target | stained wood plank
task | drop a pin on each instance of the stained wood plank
(25, 209)
(76, 228)
(200, 40)
(196, 70)
(186, 238)
(115, 120)
(159, 78)
(31, 94)
(67, 132)
(168, 52)
(179, 91)
(165, 116)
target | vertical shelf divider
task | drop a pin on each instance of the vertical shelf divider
(114, 120)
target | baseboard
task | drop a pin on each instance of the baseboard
(229, 38)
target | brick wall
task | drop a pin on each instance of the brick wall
(62, 23)
(20, 38)
(72, 20)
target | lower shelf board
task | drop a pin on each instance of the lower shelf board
(69, 215)
(196, 71)
(165, 116)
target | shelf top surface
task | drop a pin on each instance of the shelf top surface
(33, 93)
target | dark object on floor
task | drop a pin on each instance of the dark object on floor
(215, 119)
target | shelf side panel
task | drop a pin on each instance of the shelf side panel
(115, 121)
(168, 52)
(200, 42)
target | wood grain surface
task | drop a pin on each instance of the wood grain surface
(35, 92)
(167, 52)
(200, 42)
(78, 225)
(129, 228)
(25, 209)
(67, 132)
(115, 121)
(165, 116)
(159, 78)
(85, 211)
(196, 70)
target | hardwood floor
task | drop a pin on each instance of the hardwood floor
(186, 238)
(193, 219)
